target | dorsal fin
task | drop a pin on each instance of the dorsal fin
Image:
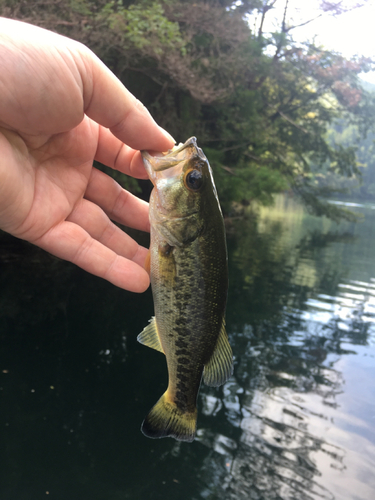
(149, 336)
(220, 366)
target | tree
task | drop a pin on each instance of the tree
(260, 104)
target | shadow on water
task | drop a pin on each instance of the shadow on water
(294, 422)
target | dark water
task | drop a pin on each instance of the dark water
(296, 420)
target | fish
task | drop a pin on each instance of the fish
(189, 279)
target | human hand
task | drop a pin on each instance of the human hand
(60, 109)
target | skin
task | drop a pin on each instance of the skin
(61, 108)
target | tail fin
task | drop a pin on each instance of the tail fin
(165, 419)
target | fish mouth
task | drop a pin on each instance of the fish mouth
(164, 216)
(173, 157)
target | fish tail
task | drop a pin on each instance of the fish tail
(166, 419)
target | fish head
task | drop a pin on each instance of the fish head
(182, 180)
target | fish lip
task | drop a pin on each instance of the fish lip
(178, 149)
(168, 160)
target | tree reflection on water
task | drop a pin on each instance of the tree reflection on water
(279, 414)
(282, 400)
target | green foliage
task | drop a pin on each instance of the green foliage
(144, 25)
(261, 106)
(362, 183)
(246, 182)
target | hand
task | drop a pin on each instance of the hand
(60, 109)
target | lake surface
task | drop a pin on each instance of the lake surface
(295, 421)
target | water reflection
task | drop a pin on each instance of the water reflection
(284, 399)
(296, 420)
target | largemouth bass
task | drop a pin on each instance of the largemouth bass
(189, 279)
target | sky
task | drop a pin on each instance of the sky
(351, 33)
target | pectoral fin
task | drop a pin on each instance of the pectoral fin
(147, 264)
(149, 336)
(220, 366)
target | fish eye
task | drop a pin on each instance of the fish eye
(193, 180)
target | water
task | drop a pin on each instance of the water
(296, 420)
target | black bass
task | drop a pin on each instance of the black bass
(189, 279)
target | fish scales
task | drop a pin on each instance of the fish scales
(189, 278)
(189, 307)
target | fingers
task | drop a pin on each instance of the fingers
(115, 154)
(96, 223)
(71, 242)
(117, 203)
(35, 59)
(110, 104)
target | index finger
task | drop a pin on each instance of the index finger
(110, 104)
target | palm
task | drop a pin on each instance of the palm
(54, 176)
